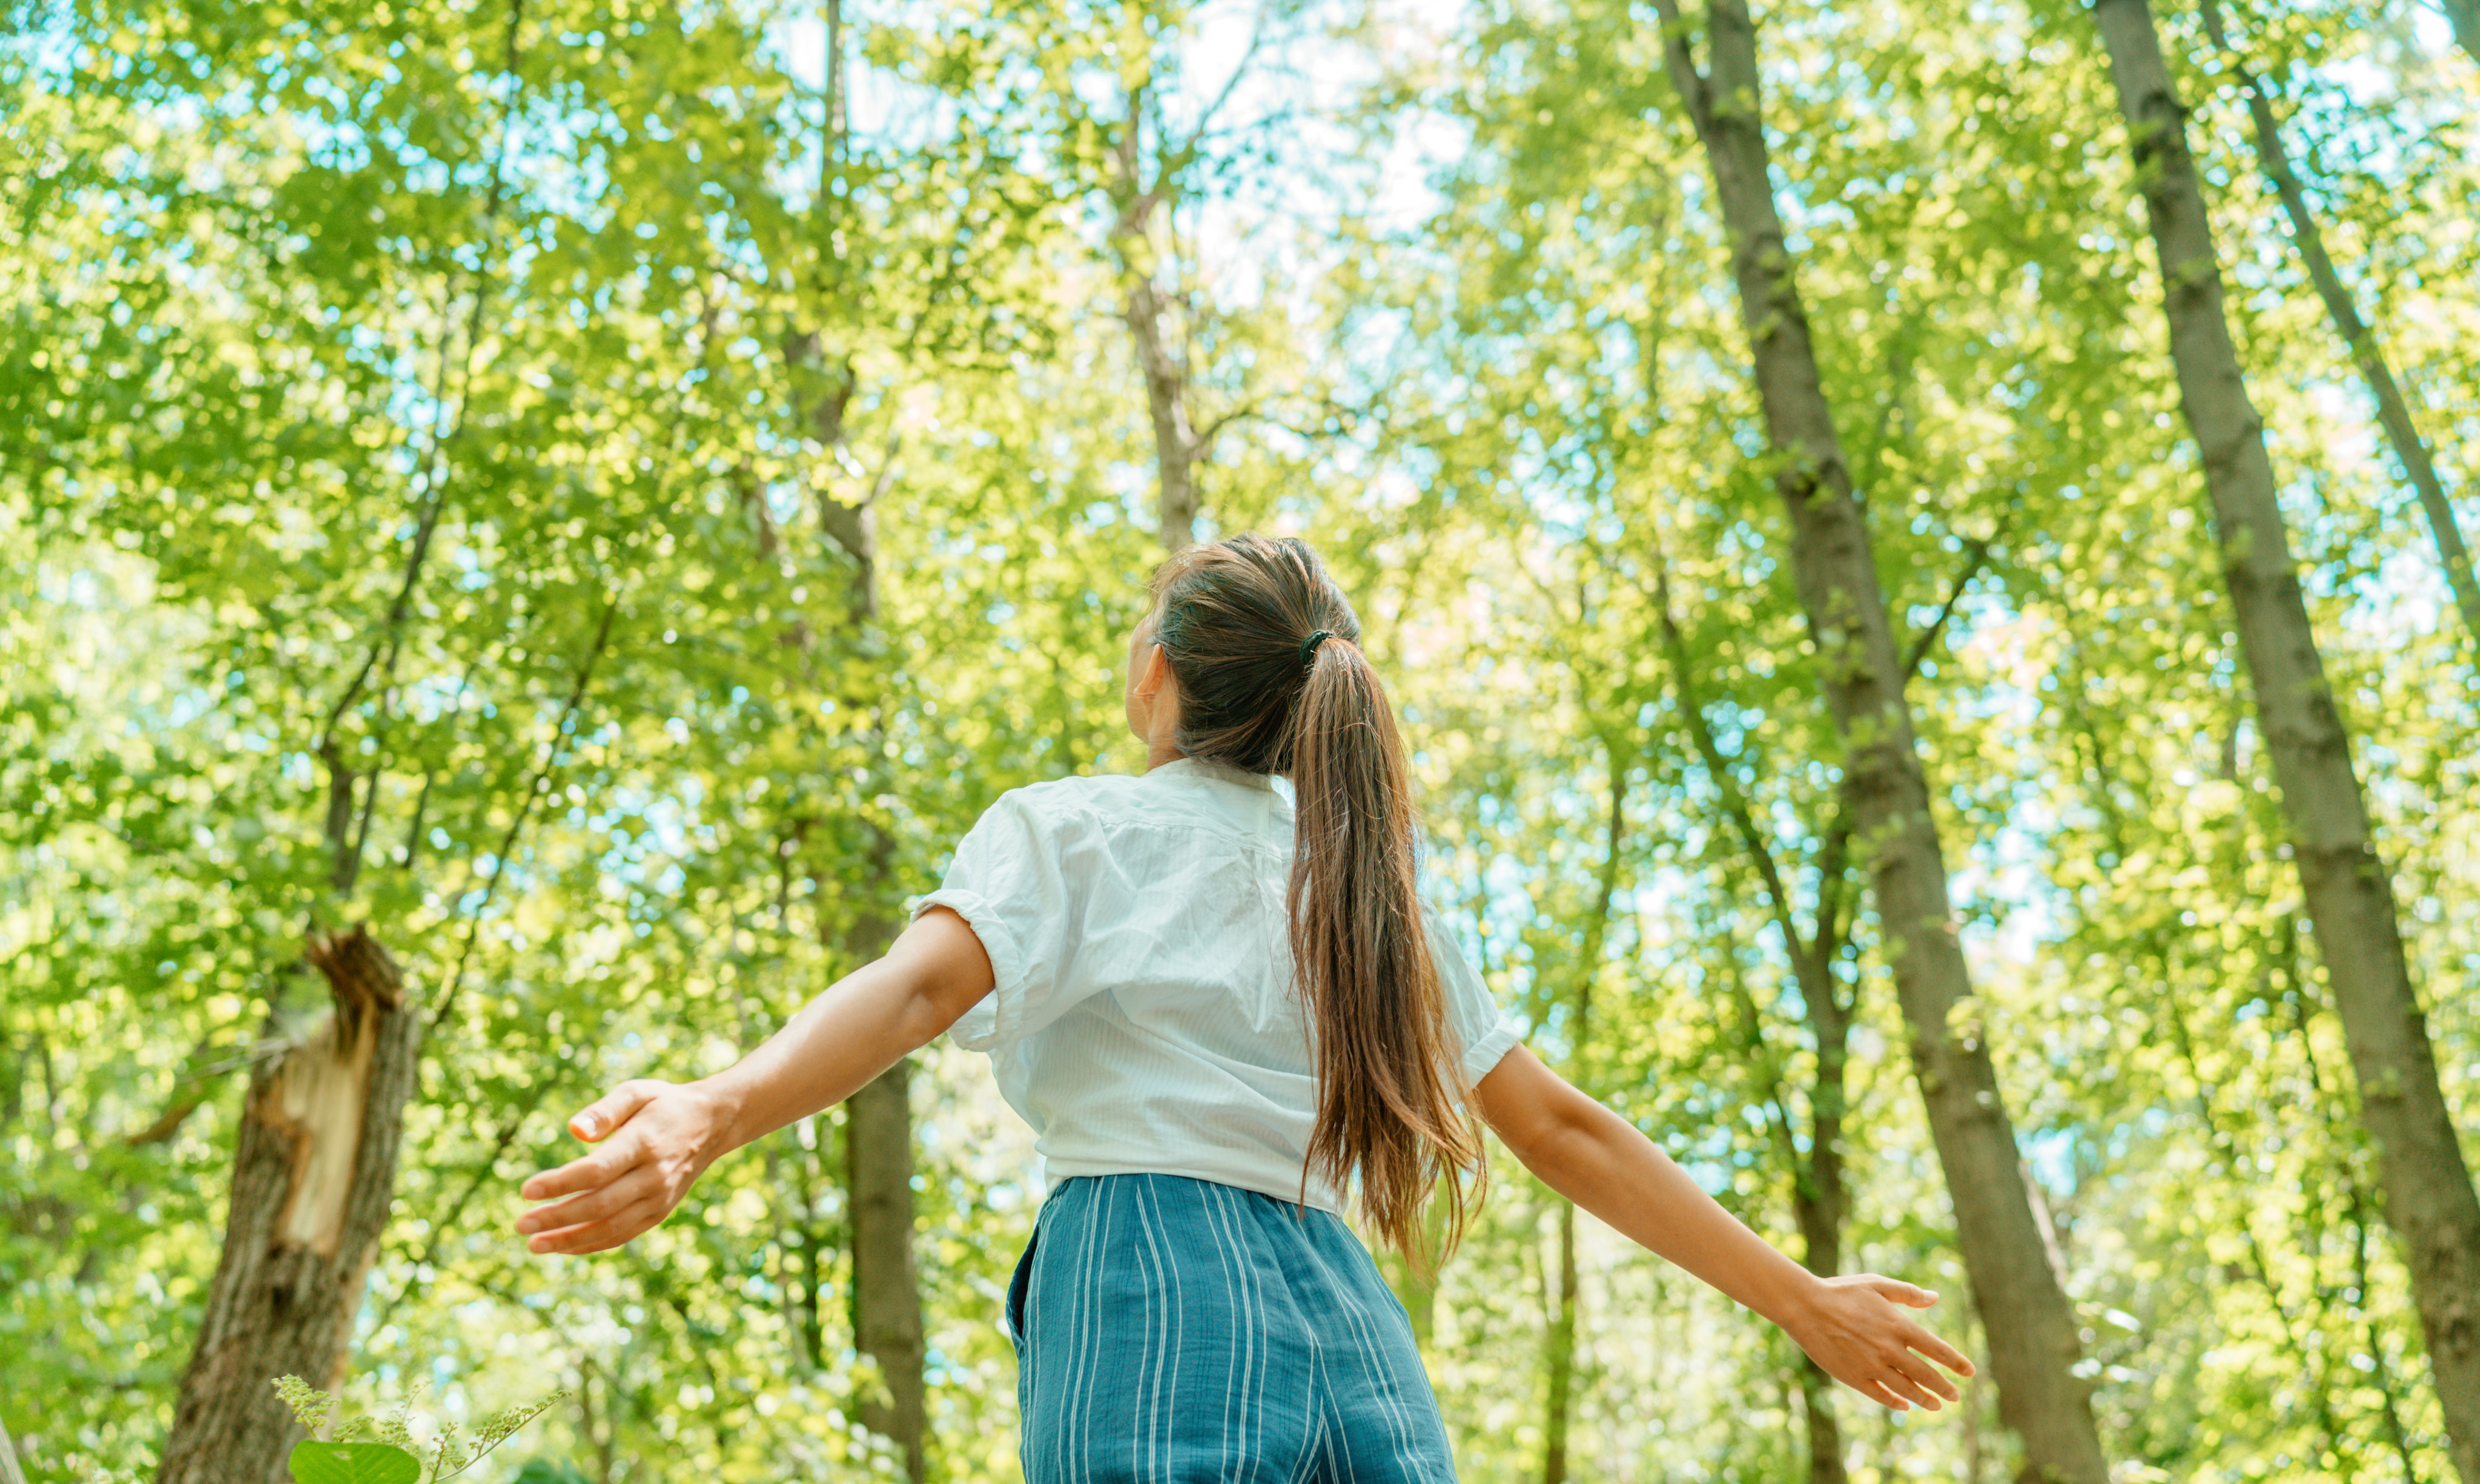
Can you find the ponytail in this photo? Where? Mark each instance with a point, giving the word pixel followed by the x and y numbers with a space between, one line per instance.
pixel 1266 652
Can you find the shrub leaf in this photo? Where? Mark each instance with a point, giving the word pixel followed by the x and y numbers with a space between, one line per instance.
pixel 354 1463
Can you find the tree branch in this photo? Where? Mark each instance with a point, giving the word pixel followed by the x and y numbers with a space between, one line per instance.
pixel 536 786
pixel 1833 860
pixel 1735 803
pixel 1681 62
pixel 1181 158
pixel 1978 553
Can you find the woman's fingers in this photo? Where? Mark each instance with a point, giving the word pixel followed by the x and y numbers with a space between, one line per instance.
pixel 1881 1353
pixel 620 1189
pixel 1938 1351
pixel 630 1187
pixel 1910 1390
pixel 616 1108
pixel 1911 1296
pixel 602 1236
pixel 1876 1391
pixel 1932 1388
pixel 591 1172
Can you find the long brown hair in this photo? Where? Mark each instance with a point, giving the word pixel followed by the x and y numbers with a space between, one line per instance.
pixel 1266 651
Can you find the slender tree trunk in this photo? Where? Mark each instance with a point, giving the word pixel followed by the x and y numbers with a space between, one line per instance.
pixel 2393 412
pixel 2427 1189
pixel 2397 1437
pixel 879 1214
pixel 312 1181
pixel 885 1296
pixel 1558 1404
pixel 2356 1212
pixel 885 1291
pixel 2032 1327
pixel 878 1120
pixel 1175 442
pixel 1177 449
pixel 1818 1198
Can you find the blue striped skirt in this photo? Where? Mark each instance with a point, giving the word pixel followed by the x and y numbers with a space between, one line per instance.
pixel 1171 1330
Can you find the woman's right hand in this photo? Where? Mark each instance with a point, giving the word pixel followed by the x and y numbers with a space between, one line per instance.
pixel 656 1138
pixel 1857 1328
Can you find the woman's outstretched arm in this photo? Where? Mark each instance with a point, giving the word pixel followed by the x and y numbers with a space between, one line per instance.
pixel 1851 1326
pixel 657 1136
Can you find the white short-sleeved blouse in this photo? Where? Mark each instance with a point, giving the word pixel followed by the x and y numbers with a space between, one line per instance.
pixel 1143 1019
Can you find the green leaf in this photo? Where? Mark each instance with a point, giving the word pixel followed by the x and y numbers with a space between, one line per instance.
pixel 354 1463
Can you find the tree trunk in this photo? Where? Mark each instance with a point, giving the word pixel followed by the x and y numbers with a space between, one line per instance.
pixel 1558 1404
pixel 1176 446
pixel 878 1120
pixel 312 1184
pixel 2394 414
pixel 1818 1198
pixel 2032 1328
pixel 1561 1402
pixel 2426 1187
pixel 886 1294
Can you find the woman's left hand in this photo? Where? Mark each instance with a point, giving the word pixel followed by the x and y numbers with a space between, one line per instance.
pixel 656 1138
pixel 1857 1329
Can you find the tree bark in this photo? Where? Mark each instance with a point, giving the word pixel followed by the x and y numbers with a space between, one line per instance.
pixel 313 1179
pixel 886 1291
pixel 1178 448
pixel 886 1294
pixel 2427 1192
pixel 1175 442
pixel 2032 1327
pixel 1818 1200
pixel 2393 412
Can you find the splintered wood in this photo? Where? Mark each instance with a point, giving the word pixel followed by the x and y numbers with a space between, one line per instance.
pixel 318 1093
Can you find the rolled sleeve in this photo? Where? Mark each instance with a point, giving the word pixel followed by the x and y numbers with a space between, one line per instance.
pixel 1013 882
pixel 1482 1056
pixel 991 1022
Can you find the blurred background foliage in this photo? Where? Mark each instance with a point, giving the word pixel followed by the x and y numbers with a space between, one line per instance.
pixel 430 394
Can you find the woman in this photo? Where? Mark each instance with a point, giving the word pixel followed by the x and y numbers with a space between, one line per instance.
pixel 1225 1015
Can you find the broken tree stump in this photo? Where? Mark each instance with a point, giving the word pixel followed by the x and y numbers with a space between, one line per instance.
pixel 313 1173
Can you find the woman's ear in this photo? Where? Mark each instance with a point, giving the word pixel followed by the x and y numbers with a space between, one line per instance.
pixel 1155 672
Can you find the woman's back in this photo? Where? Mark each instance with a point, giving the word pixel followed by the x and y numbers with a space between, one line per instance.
pixel 1145 1018
pixel 1210 999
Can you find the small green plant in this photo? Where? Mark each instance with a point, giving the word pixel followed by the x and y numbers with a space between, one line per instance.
pixel 390 1455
